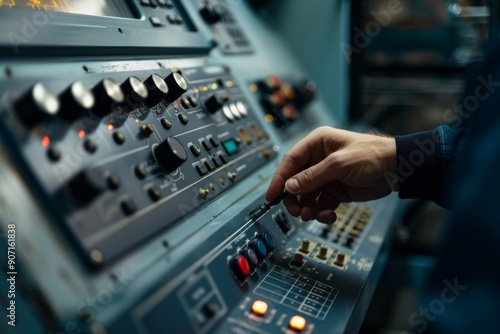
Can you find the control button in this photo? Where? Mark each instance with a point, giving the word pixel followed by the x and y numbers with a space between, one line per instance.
pixel 259 247
pixel 178 19
pixel 136 89
pixel 214 141
pixel 323 252
pixel 267 153
pixel 155 21
pixel 87 185
pixel 176 84
pixel 289 112
pixel 287 92
pixel 240 267
pixel 147 130
pixel 53 153
pixel 201 169
pixel 183 119
pixel 268 240
pixel 76 100
pixel 154 193
pixel 171 19
pixel 227 112
pixel 223 157
pixel 215 102
pixel 212 186
pixel 195 150
pixel 204 193
pixel 113 182
pixel 231 146
pixel 157 89
pixel 186 103
pixel 340 259
pixel 108 95
pixel 349 242
pixel 283 222
pixel 298 259
pixel 154 3
pixel 242 109
pixel 305 91
pixel 36 105
pixel 206 145
pixel 145 2
pixel 140 171
pixel 297 323
pixel 90 146
pixel 231 176
pixel 167 125
pixel 128 207
pixel 118 137
pixel 221 181
pixel 193 100
pixel 216 161
pixel 209 164
pixel 211 13
pixel 210 309
pixel 259 307
pixel 234 110
pixel 170 154
pixel 304 246
pixel 251 257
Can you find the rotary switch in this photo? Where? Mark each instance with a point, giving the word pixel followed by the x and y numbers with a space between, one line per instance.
pixel 36 105
pixel 157 89
pixel 76 100
pixel 176 84
pixel 108 94
pixel 215 102
pixel 170 154
pixel 136 89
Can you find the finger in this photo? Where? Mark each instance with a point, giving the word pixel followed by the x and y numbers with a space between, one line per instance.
pixel 292 205
pixel 308 203
pixel 336 192
pixel 316 176
pixel 292 163
pixel 327 217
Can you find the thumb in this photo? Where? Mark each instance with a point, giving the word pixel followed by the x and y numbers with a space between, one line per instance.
pixel 314 177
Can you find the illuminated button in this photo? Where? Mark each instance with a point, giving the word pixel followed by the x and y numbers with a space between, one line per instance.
pixel 167 125
pixel 297 323
pixel 227 112
pixel 231 146
pixel 195 150
pixel 183 119
pixel 259 247
pixel 240 267
pixel 259 307
pixel 242 109
pixel 245 136
pixel 234 110
pixel 251 257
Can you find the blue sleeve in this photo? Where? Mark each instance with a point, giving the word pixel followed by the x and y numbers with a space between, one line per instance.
pixel 426 162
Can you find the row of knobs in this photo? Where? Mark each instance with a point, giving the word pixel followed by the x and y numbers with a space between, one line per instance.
pixel 39 103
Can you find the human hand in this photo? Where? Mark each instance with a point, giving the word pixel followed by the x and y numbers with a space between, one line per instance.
pixel 330 166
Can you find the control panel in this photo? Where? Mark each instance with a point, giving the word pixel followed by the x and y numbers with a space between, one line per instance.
pixel 137 139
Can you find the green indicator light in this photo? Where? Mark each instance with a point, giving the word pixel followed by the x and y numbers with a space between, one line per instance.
pixel 231 146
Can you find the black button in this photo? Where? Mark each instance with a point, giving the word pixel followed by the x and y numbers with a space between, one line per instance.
pixel 186 103
pixel 140 171
pixel 214 141
pixel 162 3
pixel 166 123
pixel 223 157
pixel 183 119
pixel 193 100
pixel 119 137
pixel 195 150
pixel 206 145
pixel 178 19
pixel 168 4
pixel 201 169
pixel 147 130
pixel 128 207
pixel 216 161
pixel 155 21
pixel 154 3
pixel 145 2
pixel 171 18
pixel 210 309
pixel 113 182
pixel 154 193
pixel 90 145
pixel 54 154
pixel 209 164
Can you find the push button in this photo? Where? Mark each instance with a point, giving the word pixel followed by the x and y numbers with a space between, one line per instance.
pixel 297 323
pixel 259 307
pixel 201 169
pixel 206 145
pixel 209 164
pixel 195 150
pixel 240 267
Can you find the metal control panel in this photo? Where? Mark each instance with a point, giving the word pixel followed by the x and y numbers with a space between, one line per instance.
pixel 135 139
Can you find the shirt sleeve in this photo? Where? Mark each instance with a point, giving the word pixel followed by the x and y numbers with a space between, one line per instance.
pixel 426 162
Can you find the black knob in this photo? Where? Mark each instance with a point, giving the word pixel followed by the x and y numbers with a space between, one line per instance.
pixel 305 91
pixel 36 105
pixel 170 154
pixel 76 100
pixel 177 85
pixel 87 185
pixel 108 94
pixel 157 89
pixel 135 91
pixel 211 13
pixel 215 102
